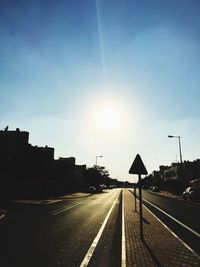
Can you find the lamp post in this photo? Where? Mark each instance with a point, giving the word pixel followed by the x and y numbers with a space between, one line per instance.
pixel 181 161
pixel 96 159
pixel 179 142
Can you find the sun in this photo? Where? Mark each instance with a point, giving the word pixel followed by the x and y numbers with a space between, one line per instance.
pixel 108 119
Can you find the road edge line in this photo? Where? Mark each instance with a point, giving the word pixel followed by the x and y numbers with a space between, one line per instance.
pixel 91 249
pixel 123 259
pixel 171 217
pixel 188 247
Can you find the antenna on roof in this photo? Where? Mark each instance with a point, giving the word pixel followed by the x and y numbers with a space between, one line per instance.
pixel 6 129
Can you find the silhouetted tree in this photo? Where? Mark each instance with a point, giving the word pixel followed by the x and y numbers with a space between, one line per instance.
pixel 95 176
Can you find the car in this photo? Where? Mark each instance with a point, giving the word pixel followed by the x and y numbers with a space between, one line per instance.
pixel 155 189
pixel 92 189
pixel 192 193
pixel 150 187
pixel 100 188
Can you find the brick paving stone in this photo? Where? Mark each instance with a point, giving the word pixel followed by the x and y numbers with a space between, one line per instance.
pixel 159 248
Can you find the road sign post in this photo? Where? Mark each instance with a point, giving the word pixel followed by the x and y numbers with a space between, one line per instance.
pixel 138 168
pixel 135 198
pixel 140 205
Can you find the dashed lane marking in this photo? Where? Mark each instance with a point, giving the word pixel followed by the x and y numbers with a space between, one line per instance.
pixel 1 217
pixel 55 212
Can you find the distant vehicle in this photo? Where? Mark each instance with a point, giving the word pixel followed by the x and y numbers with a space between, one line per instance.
pixel 103 186
pixel 192 193
pixel 100 188
pixel 111 186
pixel 195 183
pixel 150 187
pixel 92 189
pixel 155 189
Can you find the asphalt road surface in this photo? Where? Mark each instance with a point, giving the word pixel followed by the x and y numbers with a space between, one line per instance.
pixel 183 219
pixel 61 234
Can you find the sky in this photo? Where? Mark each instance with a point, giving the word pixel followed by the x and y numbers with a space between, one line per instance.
pixel 107 78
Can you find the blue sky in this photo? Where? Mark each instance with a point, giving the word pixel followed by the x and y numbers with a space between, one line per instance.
pixel 62 63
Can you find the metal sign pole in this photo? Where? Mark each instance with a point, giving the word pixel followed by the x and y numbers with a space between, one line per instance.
pixel 140 202
pixel 135 199
pixel 138 167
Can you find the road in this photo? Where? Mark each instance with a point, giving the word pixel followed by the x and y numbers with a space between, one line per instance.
pixel 184 218
pixel 61 234
pixel 83 230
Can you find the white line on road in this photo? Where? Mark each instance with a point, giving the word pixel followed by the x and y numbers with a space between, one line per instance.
pixel 1 217
pixel 123 260
pixel 188 247
pixel 91 250
pixel 3 213
pixel 182 224
pixel 55 212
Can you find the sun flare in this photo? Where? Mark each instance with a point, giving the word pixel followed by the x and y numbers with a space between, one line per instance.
pixel 108 119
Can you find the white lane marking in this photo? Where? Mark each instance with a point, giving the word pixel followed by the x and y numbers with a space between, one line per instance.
pixel 1 217
pixel 188 228
pixel 91 250
pixel 173 233
pixel 123 260
pixel 3 214
pixel 55 212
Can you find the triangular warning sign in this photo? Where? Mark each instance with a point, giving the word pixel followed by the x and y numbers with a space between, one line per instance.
pixel 138 166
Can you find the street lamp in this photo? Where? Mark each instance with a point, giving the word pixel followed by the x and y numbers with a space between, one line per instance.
pixel 96 159
pixel 179 142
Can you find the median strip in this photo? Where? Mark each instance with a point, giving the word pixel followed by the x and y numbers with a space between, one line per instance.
pixel 91 250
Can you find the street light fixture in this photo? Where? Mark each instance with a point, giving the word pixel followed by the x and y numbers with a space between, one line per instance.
pixel 96 159
pixel 179 142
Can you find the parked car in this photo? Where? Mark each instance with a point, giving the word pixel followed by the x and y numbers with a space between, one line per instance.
pixel 100 188
pixel 92 189
pixel 192 193
pixel 150 187
pixel 155 189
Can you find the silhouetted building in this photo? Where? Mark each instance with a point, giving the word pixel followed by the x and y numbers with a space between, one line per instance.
pixel 172 172
pixel 63 168
pixel 11 142
pixel 181 174
pixel 44 154
pixel 19 159
pixel 27 170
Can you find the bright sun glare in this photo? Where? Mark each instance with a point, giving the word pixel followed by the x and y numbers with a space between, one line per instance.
pixel 108 119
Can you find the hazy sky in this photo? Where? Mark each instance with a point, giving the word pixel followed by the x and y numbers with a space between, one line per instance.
pixel 103 77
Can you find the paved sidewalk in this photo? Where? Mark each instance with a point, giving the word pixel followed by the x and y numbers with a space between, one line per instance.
pixel 159 248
